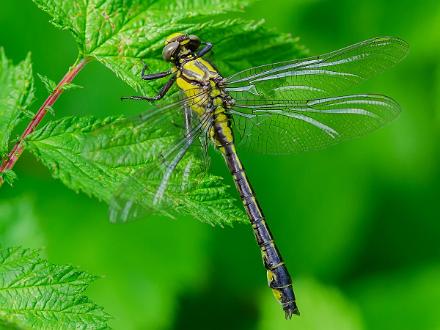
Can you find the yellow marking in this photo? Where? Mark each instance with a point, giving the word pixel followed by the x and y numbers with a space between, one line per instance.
pixel 270 276
pixel 198 103
pixel 215 92
pixel 191 66
pixel 284 286
pixel 173 36
pixel 277 294
pixel 219 110
pixel 227 131
pixel 185 85
pixel 277 265
pixel 207 64
pixel 220 117
pixel 218 102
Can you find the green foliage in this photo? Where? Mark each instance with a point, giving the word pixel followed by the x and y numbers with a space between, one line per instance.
pixel 9 176
pixel 97 156
pixel 99 27
pixel 49 84
pixel 120 34
pixel 70 86
pixel 35 294
pixel 16 94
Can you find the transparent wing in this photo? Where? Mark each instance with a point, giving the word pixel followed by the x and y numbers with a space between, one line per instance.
pixel 320 76
pixel 152 151
pixel 157 186
pixel 283 127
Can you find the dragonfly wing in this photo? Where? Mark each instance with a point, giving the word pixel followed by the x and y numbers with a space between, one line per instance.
pixel 284 127
pixel 159 153
pixel 319 76
pixel 157 186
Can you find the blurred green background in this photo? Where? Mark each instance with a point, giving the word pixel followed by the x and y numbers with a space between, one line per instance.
pixel 358 224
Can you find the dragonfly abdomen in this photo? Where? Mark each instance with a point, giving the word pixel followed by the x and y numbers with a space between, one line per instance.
pixel 278 277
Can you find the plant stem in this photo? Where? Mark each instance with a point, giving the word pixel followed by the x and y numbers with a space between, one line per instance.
pixel 17 150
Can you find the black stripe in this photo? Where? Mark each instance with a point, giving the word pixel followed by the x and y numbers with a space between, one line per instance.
pixel 272 259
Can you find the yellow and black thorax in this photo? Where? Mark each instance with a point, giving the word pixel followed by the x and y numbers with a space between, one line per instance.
pixel 203 87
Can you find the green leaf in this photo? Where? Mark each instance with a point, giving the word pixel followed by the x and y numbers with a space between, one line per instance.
pixel 49 84
pixel 117 152
pixel 70 86
pixel 50 110
pixel 321 307
pixel 9 176
pixel 35 294
pixel 16 94
pixel 120 34
pixel 101 27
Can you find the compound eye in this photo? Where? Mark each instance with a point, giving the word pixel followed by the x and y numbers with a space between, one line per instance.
pixel 194 42
pixel 170 50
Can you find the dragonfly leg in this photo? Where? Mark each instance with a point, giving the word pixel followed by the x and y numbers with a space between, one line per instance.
pixel 205 50
pixel 160 95
pixel 153 76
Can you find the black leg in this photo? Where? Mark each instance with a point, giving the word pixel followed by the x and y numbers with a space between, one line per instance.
pixel 161 94
pixel 205 50
pixel 153 76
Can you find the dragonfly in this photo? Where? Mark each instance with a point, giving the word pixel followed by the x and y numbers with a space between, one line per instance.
pixel 278 108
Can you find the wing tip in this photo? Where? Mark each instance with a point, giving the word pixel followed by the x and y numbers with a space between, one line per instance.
pixel 397 43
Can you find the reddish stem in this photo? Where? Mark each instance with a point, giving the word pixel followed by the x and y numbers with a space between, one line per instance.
pixel 17 150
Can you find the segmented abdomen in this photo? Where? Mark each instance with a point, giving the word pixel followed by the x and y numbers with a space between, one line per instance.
pixel 213 106
pixel 277 274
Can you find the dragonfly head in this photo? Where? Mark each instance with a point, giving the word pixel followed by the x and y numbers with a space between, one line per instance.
pixel 180 45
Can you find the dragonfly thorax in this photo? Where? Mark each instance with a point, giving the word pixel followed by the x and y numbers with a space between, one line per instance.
pixel 205 91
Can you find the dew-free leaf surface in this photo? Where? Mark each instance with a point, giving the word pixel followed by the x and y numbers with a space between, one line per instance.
pixel 35 294
pixel 96 156
pixel 16 94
